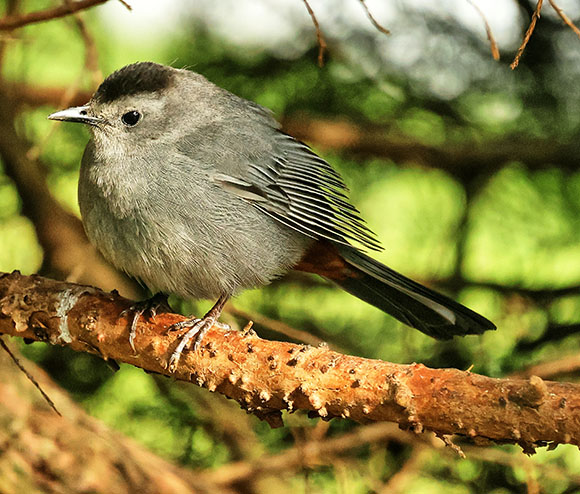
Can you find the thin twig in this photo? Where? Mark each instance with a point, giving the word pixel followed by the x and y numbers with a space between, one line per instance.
pixel 13 22
pixel 126 5
pixel 528 35
pixel 91 51
pixel 319 37
pixel 28 375
pixel 374 22
pixel 12 7
pixel 501 457
pixel 490 37
pixel 451 445
pixel 565 18
pixel 309 453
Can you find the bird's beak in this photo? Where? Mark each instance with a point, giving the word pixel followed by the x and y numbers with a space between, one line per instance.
pixel 77 114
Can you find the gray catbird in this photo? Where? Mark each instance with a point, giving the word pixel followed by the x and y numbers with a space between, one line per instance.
pixel 195 191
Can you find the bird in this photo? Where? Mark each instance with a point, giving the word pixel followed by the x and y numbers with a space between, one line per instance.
pixel 197 192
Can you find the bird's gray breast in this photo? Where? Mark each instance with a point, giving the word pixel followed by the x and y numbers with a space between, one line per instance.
pixel 167 223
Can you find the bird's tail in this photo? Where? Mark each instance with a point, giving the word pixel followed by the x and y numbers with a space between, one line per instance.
pixel 411 303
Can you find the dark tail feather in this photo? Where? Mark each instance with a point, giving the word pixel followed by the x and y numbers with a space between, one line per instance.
pixel 411 303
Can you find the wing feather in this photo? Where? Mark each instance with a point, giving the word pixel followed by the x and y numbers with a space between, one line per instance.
pixel 302 191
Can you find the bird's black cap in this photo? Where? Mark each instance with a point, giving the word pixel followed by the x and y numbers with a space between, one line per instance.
pixel 140 77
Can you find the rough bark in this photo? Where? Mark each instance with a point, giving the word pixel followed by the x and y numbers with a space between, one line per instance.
pixel 266 377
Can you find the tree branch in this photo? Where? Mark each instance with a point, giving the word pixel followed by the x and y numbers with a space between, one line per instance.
pixel 319 36
pixel 488 31
pixel 311 453
pixel 464 161
pixel 565 18
pixel 528 35
pixel 10 22
pixel 266 377
pixel 564 366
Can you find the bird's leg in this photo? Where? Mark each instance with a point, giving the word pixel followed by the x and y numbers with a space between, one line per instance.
pixel 196 330
pixel 150 307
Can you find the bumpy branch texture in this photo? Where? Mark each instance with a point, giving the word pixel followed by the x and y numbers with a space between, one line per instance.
pixel 266 377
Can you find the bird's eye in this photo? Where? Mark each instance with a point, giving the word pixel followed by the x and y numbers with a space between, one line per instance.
pixel 131 118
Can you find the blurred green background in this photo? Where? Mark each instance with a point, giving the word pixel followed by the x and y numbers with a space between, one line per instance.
pixel 466 170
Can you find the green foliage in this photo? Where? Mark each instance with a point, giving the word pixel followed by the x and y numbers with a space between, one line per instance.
pixel 524 229
pixel 19 248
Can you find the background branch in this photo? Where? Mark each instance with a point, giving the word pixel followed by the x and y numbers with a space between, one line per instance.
pixel 44 452
pixel 15 21
pixel 464 161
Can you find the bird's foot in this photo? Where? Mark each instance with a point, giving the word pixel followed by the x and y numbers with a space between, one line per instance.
pixel 196 330
pixel 149 308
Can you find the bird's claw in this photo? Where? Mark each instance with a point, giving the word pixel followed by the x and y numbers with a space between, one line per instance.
pixel 196 330
pixel 150 308
pixel 186 324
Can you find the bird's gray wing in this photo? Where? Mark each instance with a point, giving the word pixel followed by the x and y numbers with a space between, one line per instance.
pixel 299 189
